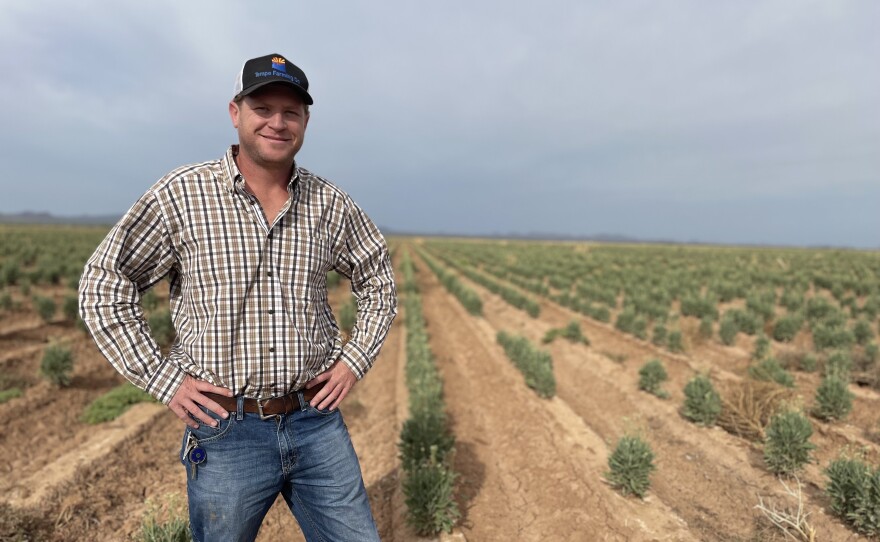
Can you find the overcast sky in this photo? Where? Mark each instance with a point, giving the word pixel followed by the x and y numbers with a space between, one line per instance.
pixel 728 122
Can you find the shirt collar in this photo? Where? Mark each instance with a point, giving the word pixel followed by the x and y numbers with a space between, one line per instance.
pixel 232 176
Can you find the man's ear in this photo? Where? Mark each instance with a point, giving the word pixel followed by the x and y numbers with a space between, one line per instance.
pixel 234 111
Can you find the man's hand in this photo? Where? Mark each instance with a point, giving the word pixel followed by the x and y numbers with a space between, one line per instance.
pixel 186 401
pixel 338 382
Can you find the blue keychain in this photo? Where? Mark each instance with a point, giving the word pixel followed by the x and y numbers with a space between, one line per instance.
pixel 197 455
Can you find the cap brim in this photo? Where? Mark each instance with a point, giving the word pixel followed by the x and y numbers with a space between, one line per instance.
pixel 299 89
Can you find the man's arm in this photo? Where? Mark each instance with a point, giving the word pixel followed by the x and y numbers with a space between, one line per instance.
pixel 135 255
pixel 365 259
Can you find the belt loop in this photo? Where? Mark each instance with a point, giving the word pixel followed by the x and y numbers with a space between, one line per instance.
pixel 239 407
pixel 302 400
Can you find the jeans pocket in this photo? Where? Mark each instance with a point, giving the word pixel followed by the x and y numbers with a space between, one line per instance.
pixel 321 411
pixel 205 433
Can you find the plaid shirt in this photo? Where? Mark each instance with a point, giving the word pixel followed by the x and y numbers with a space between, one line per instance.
pixel 248 298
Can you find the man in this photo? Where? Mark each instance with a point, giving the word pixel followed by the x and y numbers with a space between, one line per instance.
pixel 258 368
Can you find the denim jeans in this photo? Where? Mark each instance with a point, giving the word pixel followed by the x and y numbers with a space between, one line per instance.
pixel 306 456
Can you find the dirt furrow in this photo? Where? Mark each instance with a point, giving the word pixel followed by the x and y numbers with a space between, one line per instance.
pixel 707 476
pixel 529 472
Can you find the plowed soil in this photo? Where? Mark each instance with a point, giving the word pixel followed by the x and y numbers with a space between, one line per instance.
pixel 530 468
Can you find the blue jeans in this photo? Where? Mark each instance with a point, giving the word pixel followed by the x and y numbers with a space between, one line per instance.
pixel 306 455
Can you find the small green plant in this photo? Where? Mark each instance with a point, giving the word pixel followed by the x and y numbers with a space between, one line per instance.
pixel 769 370
pixel 112 404
pixel 651 376
pixel 787 327
pixel 659 335
pixel 535 365
pixel 170 524
pixel 762 347
pixel 787 445
pixel 863 332
pixel 428 492
pixel 10 393
pixel 728 330
pixel 162 327
pixel 706 327
pixel 572 332
pixel 833 398
pixel 840 364
pixel 702 404
pixel 45 307
pixel 675 342
pixel 5 301
pixel 348 315
pixel 57 364
pixel 809 363
pixel 630 466
pixel 70 307
pixel 854 490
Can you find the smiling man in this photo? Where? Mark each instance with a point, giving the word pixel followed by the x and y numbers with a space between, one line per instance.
pixel 258 367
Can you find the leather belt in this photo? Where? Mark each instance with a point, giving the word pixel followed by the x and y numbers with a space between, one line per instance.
pixel 266 408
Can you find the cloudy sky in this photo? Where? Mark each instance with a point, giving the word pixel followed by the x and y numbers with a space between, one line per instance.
pixel 727 122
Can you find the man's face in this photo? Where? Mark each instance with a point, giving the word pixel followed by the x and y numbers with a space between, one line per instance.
pixel 271 125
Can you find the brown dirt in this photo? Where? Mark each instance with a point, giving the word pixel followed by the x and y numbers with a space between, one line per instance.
pixel 530 469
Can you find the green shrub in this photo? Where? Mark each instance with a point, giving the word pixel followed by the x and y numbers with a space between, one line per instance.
pixel 832 335
pixel 5 301
pixel 728 330
pixel 702 404
pixel 70 307
pixel 833 398
pixel 348 315
pixel 424 436
pixel 45 307
pixel 10 393
pixel 626 320
pixel 809 363
pixel 428 493
pixel 769 370
pixel 171 525
pixel 150 301
pixel 659 335
pixel 862 332
pixel 535 365
pixel 162 327
pixel 840 364
pixel 787 327
pixel 787 445
pixel 572 332
pixel 651 376
pixel 675 342
pixel 9 273
pixel 57 364
pixel 706 325
pixel 631 464
pixel 112 404
pixel 762 347
pixel 854 490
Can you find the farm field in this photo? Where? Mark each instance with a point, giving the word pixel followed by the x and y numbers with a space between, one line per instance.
pixel 529 467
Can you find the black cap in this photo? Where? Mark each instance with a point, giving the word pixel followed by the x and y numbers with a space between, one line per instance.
pixel 259 72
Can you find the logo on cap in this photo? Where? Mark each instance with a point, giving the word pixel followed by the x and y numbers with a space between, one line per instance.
pixel 278 64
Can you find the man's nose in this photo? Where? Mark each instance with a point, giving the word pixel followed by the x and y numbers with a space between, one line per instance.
pixel 276 121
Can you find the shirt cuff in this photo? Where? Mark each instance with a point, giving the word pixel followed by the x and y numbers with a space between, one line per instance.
pixel 166 381
pixel 356 359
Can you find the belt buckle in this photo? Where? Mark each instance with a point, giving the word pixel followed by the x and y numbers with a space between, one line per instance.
pixel 260 410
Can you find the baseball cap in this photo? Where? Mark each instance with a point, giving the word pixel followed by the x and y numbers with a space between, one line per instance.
pixel 259 72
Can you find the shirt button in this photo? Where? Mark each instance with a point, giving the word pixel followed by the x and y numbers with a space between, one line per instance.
pixel 271 311
pixel 269 274
pixel 271 349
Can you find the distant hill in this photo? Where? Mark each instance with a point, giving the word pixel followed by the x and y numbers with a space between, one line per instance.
pixel 29 217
